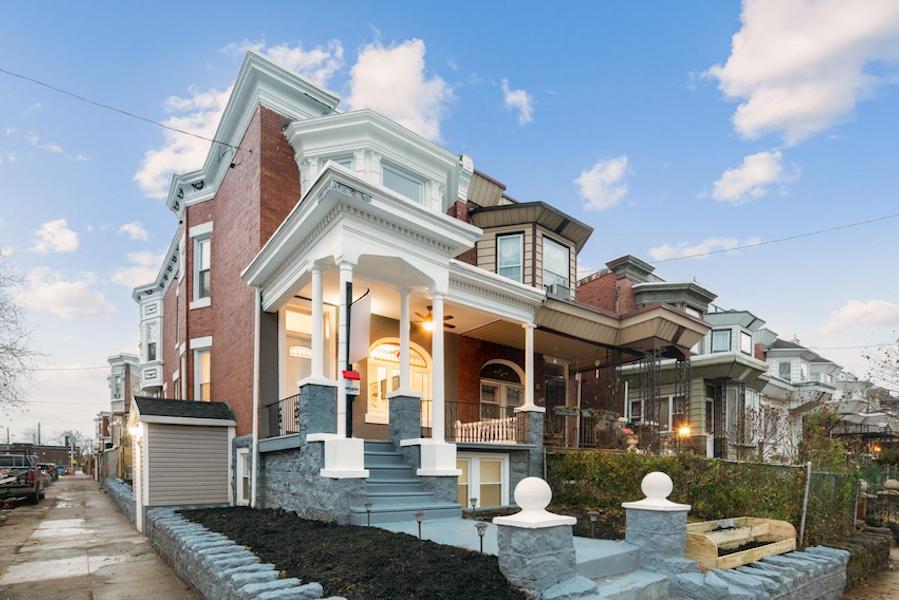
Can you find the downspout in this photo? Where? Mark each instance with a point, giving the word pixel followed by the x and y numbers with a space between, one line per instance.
pixel 256 321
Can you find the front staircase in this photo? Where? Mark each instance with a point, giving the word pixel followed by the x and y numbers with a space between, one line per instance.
pixel 395 491
pixel 614 569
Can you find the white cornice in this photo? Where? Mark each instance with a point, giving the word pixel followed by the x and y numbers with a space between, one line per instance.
pixel 166 274
pixel 259 83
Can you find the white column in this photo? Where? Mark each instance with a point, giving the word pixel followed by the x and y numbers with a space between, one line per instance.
pixel 405 381
pixel 528 366
pixel 346 276
pixel 318 334
pixel 437 413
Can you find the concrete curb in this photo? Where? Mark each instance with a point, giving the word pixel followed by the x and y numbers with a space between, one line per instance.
pixel 218 568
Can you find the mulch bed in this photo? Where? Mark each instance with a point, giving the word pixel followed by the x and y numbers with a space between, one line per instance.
pixel 360 563
pixel 609 524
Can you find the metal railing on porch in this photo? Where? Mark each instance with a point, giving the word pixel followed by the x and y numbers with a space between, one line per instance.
pixel 279 417
pixel 475 423
pixel 567 429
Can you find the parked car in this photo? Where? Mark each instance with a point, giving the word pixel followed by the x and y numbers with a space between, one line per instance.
pixel 20 477
pixel 60 469
pixel 49 469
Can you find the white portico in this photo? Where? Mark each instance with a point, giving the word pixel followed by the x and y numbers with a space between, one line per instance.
pixel 349 230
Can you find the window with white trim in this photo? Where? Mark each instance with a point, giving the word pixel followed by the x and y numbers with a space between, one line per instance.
pixel 721 340
pixel 152 335
pixel 202 267
pixel 402 182
pixel 243 476
pixel 484 480
pixel 203 374
pixel 555 263
pixel 510 255
pixel 784 370
pixel 745 343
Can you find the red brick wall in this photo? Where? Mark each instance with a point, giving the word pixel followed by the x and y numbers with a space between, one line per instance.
pixel 279 175
pixel 601 293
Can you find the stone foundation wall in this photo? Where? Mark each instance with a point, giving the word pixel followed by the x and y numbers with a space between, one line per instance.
pixel 122 494
pixel 216 567
pixel 290 479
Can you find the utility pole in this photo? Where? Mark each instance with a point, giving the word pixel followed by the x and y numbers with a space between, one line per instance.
pixel 38 433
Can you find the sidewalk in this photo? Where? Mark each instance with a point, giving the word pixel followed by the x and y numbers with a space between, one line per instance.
pixel 76 545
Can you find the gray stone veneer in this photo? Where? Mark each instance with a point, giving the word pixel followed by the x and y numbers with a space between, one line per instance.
pixel 317 409
pixel 216 567
pixel 536 559
pixel 535 439
pixel 405 418
pixel 122 494
pixel 661 536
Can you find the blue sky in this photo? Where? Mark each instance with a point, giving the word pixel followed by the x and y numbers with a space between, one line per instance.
pixel 673 156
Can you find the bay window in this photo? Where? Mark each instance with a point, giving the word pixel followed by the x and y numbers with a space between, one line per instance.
pixel 402 182
pixel 745 343
pixel 510 255
pixel 555 263
pixel 721 340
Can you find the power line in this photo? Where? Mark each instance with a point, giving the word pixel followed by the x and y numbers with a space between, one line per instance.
pixel 778 240
pixel 68 368
pixel 879 345
pixel 118 110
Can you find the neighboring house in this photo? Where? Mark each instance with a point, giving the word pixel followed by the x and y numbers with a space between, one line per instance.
pixel 465 299
pixel 114 444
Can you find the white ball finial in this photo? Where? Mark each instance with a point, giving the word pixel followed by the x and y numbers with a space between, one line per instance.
pixel 533 493
pixel 657 486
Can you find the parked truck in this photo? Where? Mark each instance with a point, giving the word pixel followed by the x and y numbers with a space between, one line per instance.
pixel 20 477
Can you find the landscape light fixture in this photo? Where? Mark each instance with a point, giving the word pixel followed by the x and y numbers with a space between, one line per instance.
pixel 482 529
pixel 474 503
pixel 419 517
pixel 593 518
pixel 367 506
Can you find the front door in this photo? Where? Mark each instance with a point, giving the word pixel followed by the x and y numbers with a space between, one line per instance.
pixel 384 378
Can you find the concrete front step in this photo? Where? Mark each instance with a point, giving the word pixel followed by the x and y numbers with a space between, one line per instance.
pixel 604 558
pixel 636 585
pixel 382 472
pixel 396 513
pixel 378 445
pixel 397 485
pixel 399 498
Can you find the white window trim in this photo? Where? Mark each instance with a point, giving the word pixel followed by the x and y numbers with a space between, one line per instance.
pixel 243 453
pixel 730 340
pixel 424 191
pixel 203 229
pixel 568 253
pixel 520 236
pixel 197 370
pixel 197 302
pixel 201 343
pixel 474 475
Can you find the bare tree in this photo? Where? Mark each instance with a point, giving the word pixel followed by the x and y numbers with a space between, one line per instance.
pixel 883 366
pixel 16 355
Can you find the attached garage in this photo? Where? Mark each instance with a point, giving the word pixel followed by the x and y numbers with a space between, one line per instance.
pixel 182 453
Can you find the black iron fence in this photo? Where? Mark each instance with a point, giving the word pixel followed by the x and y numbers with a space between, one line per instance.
pixel 280 417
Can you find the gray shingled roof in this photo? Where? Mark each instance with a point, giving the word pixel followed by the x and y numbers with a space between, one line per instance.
pixel 160 407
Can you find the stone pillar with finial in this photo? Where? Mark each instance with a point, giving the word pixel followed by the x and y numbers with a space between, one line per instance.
pixel 657 525
pixel 536 547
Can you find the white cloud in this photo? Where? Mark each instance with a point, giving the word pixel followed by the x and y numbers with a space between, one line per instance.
pixel 55 236
pixel 518 100
pixel 685 250
pixel 46 290
pixel 143 268
pixel 5 251
pixel 799 66
pixel 857 314
pixel 603 185
pixel 584 271
pixel 393 81
pixel 135 230
pixel 32 108
pixel 35 141
pixel 198 113
pixel 7 156
pixel 318 64
pixel 753 177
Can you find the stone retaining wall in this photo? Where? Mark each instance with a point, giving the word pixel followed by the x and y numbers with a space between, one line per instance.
pixel 122 494
pixel 216 567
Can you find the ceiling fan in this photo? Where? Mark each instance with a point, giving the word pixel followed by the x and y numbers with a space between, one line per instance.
pixel 427 320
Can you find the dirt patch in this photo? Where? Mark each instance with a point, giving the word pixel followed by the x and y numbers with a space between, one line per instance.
pixel 741 547
pixel 360 563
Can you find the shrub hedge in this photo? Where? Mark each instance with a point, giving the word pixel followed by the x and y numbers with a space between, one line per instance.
pixel 596 480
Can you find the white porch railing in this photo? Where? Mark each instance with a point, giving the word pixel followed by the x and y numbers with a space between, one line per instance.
pixel 505 429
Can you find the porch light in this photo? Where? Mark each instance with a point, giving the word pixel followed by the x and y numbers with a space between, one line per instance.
pixel 593 518
pixel 136 431
pixel 482 529
pixel 876 449
pixel 684 431
pixel 427 325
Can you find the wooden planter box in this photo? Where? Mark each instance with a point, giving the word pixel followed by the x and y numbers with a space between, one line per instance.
pixel 704 540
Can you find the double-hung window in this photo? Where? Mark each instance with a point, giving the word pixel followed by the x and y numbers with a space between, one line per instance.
pixel 784 370
pixel 402 182
pixel 555 263
pixel 152 335
pixel 203 374
pixel 721 340
pixel 510 255
pixel 202 267
pixel 745 343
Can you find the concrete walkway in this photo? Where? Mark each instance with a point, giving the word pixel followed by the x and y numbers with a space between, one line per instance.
pixel 883 586
pixel 76 545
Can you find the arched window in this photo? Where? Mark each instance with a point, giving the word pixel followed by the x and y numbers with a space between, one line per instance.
pixel 501 388
pixel 384 376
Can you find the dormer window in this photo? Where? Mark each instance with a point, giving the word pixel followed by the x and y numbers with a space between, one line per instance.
pixel 509 255
pixel 555 263
pixel 721 340
pixel 402 182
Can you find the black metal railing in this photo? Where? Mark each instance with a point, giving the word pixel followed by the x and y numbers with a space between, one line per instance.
pixel 568 429
pixel 280 417
pixel 476 423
